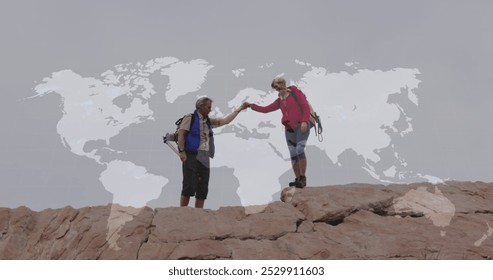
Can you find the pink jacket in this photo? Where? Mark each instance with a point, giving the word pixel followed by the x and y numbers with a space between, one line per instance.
pixel 292 115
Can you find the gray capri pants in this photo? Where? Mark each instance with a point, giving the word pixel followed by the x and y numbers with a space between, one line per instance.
pixel 296 141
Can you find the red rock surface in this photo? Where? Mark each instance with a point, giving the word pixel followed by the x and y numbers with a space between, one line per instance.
pixel 418 221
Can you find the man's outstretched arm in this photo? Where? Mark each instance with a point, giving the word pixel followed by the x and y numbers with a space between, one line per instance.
pixel 229 118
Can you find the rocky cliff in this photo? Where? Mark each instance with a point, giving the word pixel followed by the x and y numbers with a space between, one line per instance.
pixel 418 221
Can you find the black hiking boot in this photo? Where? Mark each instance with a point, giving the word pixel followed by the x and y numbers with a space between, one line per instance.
pixel 294 183
pixel 301 182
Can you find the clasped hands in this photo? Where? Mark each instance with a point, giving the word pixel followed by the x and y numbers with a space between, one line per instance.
pixel 245 105
pixel 303 127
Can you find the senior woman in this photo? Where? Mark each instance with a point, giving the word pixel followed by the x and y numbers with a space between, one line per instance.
pixel 295 118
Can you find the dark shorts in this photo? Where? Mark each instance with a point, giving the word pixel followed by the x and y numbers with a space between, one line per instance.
pixel 296 141
pixel 196 175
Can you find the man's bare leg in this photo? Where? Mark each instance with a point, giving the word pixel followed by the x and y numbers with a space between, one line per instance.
pixel 199 203
pixel 184 200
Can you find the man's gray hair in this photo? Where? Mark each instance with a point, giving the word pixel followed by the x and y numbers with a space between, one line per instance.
pixel 202 101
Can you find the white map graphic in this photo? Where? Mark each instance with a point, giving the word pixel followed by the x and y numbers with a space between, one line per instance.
pixel 356 108
pixel 90 114
pixel 434 206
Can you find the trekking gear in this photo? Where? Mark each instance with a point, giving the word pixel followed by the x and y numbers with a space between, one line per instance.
pixel 192 139
pixel 302 181
pixel 299 182
pixel 173 137
pixel 294 183
pixel 314 117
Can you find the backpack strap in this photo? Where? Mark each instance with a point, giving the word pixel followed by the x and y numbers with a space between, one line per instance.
pixel 180 120
pixel 295 96
pixel 317 124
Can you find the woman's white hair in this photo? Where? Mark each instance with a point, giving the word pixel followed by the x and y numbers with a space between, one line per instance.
pixel 278 80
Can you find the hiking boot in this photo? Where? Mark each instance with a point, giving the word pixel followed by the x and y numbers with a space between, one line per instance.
pixel 294 183
pixel 301 182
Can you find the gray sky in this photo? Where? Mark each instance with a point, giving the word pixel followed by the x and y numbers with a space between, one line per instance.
pixel 450 43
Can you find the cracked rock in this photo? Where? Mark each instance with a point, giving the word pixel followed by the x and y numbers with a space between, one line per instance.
pixel 359 221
